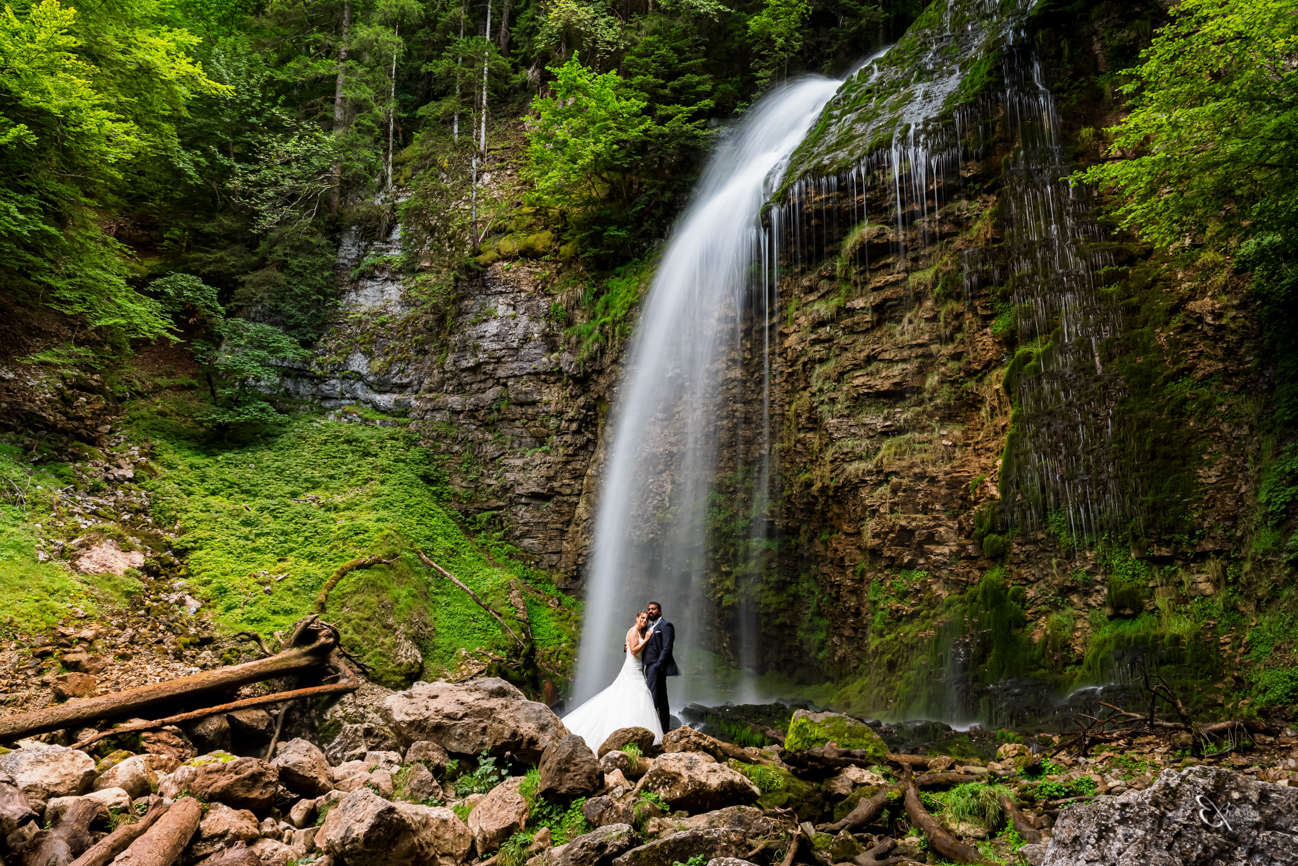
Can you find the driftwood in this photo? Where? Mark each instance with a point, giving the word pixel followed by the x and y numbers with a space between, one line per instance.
pixel 162 843
pixel 130 702
pixel 794 837
pixel 348 683
pixel 865 812
pixel 60 845
pixel 941 841
pixel 1020 821
pixel 878 856
pixel 473 595
pixel 107 848
pixel 345 569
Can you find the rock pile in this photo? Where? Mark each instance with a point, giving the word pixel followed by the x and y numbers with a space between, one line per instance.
pixel 475 773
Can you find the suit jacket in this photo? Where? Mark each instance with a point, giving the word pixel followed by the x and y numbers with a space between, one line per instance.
pixel 658 651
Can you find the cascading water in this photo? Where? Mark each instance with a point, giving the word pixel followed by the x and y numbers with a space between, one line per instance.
pixel 649 542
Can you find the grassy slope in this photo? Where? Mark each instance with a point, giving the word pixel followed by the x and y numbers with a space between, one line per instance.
pixel 360 490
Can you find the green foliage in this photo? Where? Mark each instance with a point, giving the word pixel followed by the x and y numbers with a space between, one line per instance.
pixel 973 803
pixel 514 851
pixel 1213 115
pixel 633 751
pixel 696 860
pixel 768 780
pixel 777 32
pixel 187 297
pixel 483 778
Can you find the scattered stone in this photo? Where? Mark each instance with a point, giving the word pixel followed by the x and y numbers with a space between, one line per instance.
pixel 82 662
pixel 221 828
pixel 366 830
pixel 15 811
pixel 106 799
pixel 749 820
pixel 67 686
pixel 303 768
pixel 681 847
pixel 251 727
pixel 568 768
pixel 273 852
pixel 418 784
pixel 807 730
pixel 615 761
pixel 170 742
pixel 137 775
pixel 729 861
pixel 643 738
pixel 1010 751
pixel 847 781
pixel 483 715
pixel 383 760
pixel 42 771
pixel 429 754
pixel 501 814
pixel 209 734
pixel 111 760
pixel 844 847
pixel 1170 823
pixel 244 783
pixel 598 848
pixel 354 775
pixel 616 783
pixel 697 783
pixel 354 741
pixel 604 810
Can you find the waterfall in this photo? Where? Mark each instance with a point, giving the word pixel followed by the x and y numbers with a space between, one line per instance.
pixel 649 541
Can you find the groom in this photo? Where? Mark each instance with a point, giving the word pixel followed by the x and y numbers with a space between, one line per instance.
pixel 658 661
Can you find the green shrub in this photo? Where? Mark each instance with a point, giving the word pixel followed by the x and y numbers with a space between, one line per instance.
pixel 995 545
pixel 481 780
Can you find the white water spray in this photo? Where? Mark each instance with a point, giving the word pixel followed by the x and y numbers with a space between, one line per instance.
pixel 649 529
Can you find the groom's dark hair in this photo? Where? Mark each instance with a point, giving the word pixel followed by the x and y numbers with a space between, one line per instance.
pixel 660 607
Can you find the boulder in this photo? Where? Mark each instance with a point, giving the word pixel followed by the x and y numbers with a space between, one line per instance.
pixel 244 783
pixel 642 738
pixel 239 855
pixel 483 715
pixel 416 783
pixel 221 828
pixel 273 852
pixel 304 811
pixel 302 841
pixel 82 662
pixel 429 754
pixel 209 734
pixel 366 830
pixel 730 861
pixel 14 809
pixel 1010 751
pixel 1196 817
pixel 697 783
pixel 604 810
pixel 66 686
pixel 251 727
pixel 42 771
pixel 500 814
pixel 685 739
pixel 808 730
pixel 107 801
pixel 303 768
pixel 383 760
pixel 847 781
pixel 598 848
pixel 354 741
pixel 681 847
pixel 169 742
pixel 568 768
pixel 137 775
pixel 616 783
pixel 619 761
pixel 354 775
pixel 749 820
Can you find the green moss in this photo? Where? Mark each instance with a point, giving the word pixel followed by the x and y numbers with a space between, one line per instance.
pixel 266 523
pixel 783 790
pixel 809 730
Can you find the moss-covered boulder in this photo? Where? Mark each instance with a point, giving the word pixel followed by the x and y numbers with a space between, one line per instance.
pixel 783 790
pixel 808 730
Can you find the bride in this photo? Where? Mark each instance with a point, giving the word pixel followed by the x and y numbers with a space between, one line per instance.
pixel 627 703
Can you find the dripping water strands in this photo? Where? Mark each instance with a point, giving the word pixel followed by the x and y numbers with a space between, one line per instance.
pixel 719 266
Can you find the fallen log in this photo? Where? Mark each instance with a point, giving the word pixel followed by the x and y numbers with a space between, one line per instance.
pixel 345 569
pixel 60 845
pixel 162 843
pixel 473 595
pixel 347 683
pixel 941 841
pixel 1020 821
pixel 865 812
pixel 103 851
pixel 130 702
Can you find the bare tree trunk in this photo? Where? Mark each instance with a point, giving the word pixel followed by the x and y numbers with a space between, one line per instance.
pixel 459 58
pixel 486 62
pixel 340 105
pixel 392 107
pixel 107 848
pixel 502 41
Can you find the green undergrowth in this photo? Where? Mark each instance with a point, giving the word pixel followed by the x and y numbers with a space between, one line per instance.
pixel 263 524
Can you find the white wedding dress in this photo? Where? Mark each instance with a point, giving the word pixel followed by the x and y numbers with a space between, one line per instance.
pixel 627 703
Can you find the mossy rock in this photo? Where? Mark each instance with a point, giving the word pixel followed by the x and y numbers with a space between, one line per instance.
pixel 808 730
pixel 112 759
pixel 537 244
pixel 783 790
pixel 861 792
pixel 508 247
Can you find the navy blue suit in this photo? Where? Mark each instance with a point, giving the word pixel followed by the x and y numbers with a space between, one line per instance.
pixel 659 664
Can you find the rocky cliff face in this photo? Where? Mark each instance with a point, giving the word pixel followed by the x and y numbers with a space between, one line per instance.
pixel 500 395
